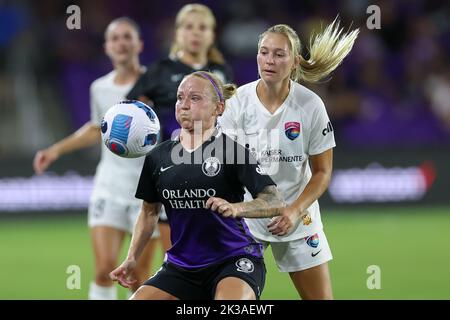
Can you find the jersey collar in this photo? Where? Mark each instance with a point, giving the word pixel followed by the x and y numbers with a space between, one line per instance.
pixel 216 134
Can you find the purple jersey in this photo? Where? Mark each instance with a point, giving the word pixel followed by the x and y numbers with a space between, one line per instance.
pixel 183 181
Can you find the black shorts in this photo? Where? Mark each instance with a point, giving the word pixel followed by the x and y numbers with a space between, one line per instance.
pixel 201 283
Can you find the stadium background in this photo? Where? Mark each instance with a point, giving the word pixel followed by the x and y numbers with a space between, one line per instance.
pixel 388 204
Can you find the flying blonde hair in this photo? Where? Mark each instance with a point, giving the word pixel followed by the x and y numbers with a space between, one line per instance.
pixel 214 55
pixel 327 50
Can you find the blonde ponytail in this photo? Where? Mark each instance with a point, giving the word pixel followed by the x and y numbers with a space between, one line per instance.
pixel 327 51
pixel 229 90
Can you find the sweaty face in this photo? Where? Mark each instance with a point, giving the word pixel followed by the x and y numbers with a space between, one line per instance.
pixel 122 42
pixel 195 35
pixel 195 104
pixel 275 59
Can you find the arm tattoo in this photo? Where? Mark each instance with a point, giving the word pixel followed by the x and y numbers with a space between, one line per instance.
pixel 151 209
pixel 268 203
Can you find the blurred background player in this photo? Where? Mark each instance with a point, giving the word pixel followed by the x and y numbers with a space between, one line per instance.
pixel 113 209
pixel 192 49
pixel 213 256
pixel 278 104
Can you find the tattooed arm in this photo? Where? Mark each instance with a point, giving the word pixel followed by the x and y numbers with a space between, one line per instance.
pixel 268 203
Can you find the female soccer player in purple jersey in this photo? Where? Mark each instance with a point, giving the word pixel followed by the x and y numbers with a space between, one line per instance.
pixel 200 178
pixel 192 50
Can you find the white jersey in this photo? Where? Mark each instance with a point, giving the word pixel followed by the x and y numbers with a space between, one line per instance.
pixel 116 177
pixel 282 143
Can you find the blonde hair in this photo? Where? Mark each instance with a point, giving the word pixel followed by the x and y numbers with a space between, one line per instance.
pixel 221 91
pixel 214 55
pixel 327 50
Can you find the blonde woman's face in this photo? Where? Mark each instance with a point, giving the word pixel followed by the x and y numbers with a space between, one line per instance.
pixel 195 104
pixel 275 59
pixel 122 42
pixel 195 34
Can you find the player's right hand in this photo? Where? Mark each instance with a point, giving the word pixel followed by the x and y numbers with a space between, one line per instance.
pixel 222 206
pixel 124 274
pixel 285 223
pixel 43 159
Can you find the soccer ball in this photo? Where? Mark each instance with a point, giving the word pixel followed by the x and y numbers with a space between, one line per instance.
pixel 130 129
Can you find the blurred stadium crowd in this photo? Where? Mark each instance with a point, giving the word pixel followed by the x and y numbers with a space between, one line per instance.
pixel 392 91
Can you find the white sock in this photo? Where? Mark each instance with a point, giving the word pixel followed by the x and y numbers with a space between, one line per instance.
pixel 97 292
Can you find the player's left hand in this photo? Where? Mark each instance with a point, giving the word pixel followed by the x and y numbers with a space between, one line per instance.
pixel 123 274
pixel 222 206
pixel 284 223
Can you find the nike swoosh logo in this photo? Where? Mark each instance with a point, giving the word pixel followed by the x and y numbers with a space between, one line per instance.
pixel 315 254
pixel 164 169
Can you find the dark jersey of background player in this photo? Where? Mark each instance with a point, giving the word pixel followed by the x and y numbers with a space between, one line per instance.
pixel 192 50
pixel 200 236
pixel 160 82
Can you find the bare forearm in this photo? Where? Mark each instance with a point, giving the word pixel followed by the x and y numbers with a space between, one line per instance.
pixel 269 203
pixel 314 189
pixel 143 230
pixel 86 136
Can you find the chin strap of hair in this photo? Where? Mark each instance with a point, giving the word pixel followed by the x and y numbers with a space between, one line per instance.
pixel 208 77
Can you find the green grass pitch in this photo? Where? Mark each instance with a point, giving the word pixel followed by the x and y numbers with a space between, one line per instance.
pixel 410 245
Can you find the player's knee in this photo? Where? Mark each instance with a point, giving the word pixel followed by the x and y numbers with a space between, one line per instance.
pixel 234 289
pixel 234 295
pixel 103 269
pixel 142 273
pixel 317 294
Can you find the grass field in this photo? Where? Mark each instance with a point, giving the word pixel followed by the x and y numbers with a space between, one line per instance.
pixel 411 246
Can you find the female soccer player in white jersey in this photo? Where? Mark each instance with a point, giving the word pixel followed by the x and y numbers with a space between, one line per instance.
pixel 286 127
pixel 113 208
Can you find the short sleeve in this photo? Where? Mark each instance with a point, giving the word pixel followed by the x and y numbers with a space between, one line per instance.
pixel 146 189
pixel 228 120
pixel 145 85
pixel 96 115
pixel 321 135
pixel 250 174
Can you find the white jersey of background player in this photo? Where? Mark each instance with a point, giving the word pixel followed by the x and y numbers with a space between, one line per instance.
pixel 113 208
pixel 286 127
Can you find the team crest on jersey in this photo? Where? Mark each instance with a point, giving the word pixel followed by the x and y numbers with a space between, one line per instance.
pixel 211 166
pixel 245 265
pixel 292 130
pixel 176 77
pixel 313 241
pixel 261 170
pixel 307 220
